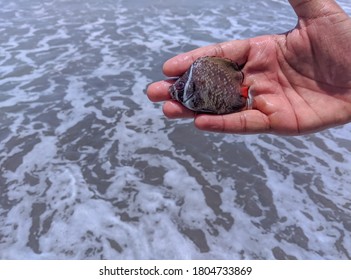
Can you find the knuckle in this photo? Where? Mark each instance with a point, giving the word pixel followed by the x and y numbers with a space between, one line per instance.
pixel 243 122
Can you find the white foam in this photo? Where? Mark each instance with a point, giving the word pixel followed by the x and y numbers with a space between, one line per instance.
pixel 115 179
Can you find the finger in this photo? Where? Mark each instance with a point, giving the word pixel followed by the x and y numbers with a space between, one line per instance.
pixel 236 50
pixel 158 91
pixel 173 109
pixel 245 122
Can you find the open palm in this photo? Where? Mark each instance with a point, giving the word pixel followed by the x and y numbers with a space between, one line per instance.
pixel 301 80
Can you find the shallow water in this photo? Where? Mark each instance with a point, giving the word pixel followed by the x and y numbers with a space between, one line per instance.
pixel 91 169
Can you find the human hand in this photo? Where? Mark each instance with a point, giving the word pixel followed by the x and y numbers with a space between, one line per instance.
pixel 300 80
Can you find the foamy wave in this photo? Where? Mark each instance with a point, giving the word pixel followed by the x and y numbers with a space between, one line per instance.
pixel 91 169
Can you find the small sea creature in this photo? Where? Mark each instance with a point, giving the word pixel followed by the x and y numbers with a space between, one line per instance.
pixel 212 85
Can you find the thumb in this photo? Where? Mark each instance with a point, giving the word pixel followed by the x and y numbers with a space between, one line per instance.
pixel 311 9
pixel 236 50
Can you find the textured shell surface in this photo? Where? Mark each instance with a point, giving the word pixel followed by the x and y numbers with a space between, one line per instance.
pixel 210 85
